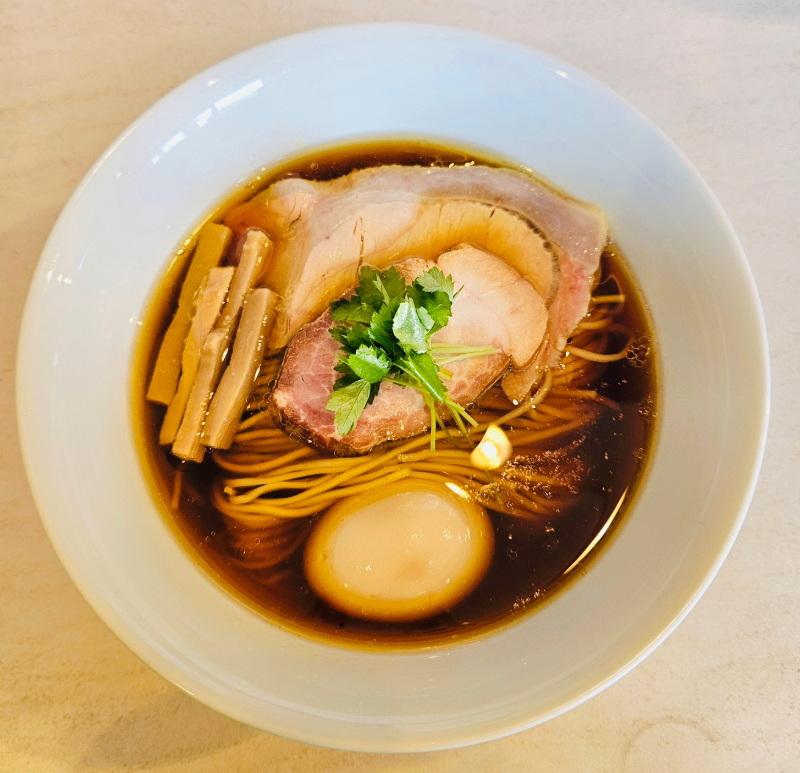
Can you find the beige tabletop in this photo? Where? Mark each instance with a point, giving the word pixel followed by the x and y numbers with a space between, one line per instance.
pixel 721 77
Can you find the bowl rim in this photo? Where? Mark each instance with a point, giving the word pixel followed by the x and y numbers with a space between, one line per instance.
pixel 115 619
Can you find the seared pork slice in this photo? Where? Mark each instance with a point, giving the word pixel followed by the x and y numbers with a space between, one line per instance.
pixel 568 308
pixel 325 230
pixel 304 388
pixel 491 309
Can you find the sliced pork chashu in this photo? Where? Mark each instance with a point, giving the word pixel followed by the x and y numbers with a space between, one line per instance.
pixel 324 231
pixel 502 291
pixel 494 305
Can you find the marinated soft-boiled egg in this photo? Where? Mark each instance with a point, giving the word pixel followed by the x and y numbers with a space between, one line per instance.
pixel 402 552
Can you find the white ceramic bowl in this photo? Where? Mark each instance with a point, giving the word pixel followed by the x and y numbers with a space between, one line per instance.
pixel 111 243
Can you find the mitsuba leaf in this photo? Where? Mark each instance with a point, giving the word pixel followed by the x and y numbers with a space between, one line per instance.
pixel 369 363
pixel 385 331
pixel 350 310
pixel 344 381
pixel 408 329
pixel 373 391
pixel 357 336
pixel 348 403
pixel 422 368
pixel 342 366
pixel 380 329
pixel 425 318
pixel 434 280
pixel 340 333
pixel 438 305
pixel 392 285
pixel 368 290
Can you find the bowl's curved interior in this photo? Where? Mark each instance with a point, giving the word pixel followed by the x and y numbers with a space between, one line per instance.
pixel 171 166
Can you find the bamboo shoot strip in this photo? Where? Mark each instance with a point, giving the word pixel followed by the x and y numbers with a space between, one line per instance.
pixel 229 400
pixel 208 310
pixel 187 441
pixel 255 252
pixel 211 246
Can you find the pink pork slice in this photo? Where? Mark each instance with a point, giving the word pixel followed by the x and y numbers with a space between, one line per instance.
pixel 502 290
pixel 325 230
pixel 492 309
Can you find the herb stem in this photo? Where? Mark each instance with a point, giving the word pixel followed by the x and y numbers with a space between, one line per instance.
pixel 460 348
pixel 385 334
pixel 465 356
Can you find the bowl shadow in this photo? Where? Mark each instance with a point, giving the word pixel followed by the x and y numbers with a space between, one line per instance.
pixel 172 728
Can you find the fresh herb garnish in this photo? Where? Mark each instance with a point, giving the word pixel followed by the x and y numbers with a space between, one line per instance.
pixel 349 403
pixel 385 333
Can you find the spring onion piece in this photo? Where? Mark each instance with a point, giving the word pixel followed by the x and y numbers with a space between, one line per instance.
pixel 493 451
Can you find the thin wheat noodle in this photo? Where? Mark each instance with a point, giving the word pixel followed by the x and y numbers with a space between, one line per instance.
pixel 272 484
pixel 254 420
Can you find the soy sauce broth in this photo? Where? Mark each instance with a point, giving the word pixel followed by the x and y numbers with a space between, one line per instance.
pixel 531 560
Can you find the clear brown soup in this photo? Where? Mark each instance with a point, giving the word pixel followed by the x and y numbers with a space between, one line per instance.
pixel 532 560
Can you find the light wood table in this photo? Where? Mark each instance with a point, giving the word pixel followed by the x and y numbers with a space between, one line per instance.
pixel 721 77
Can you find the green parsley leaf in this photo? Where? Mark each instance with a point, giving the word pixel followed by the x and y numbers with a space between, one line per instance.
pixel 340 333
pixel 369 363
pixel 425 318
pixel 384 332
pixel 392 285
pixel 422 368
pixel 349 402
pixel 373 391
pixel 434 280
pixel 380 329
pixel 344 381
pixel 440 308
pixel 342 366
pixel 350 310
pixel 409 329
pixel 438 305
pixel 368 290
pixel 357 336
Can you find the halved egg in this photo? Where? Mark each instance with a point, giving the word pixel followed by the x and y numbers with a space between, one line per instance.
pixel 402 552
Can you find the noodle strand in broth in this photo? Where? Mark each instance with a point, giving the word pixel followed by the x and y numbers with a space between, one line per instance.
pixel 280 483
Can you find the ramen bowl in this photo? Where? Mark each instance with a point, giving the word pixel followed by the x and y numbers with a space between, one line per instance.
pixel 131 212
